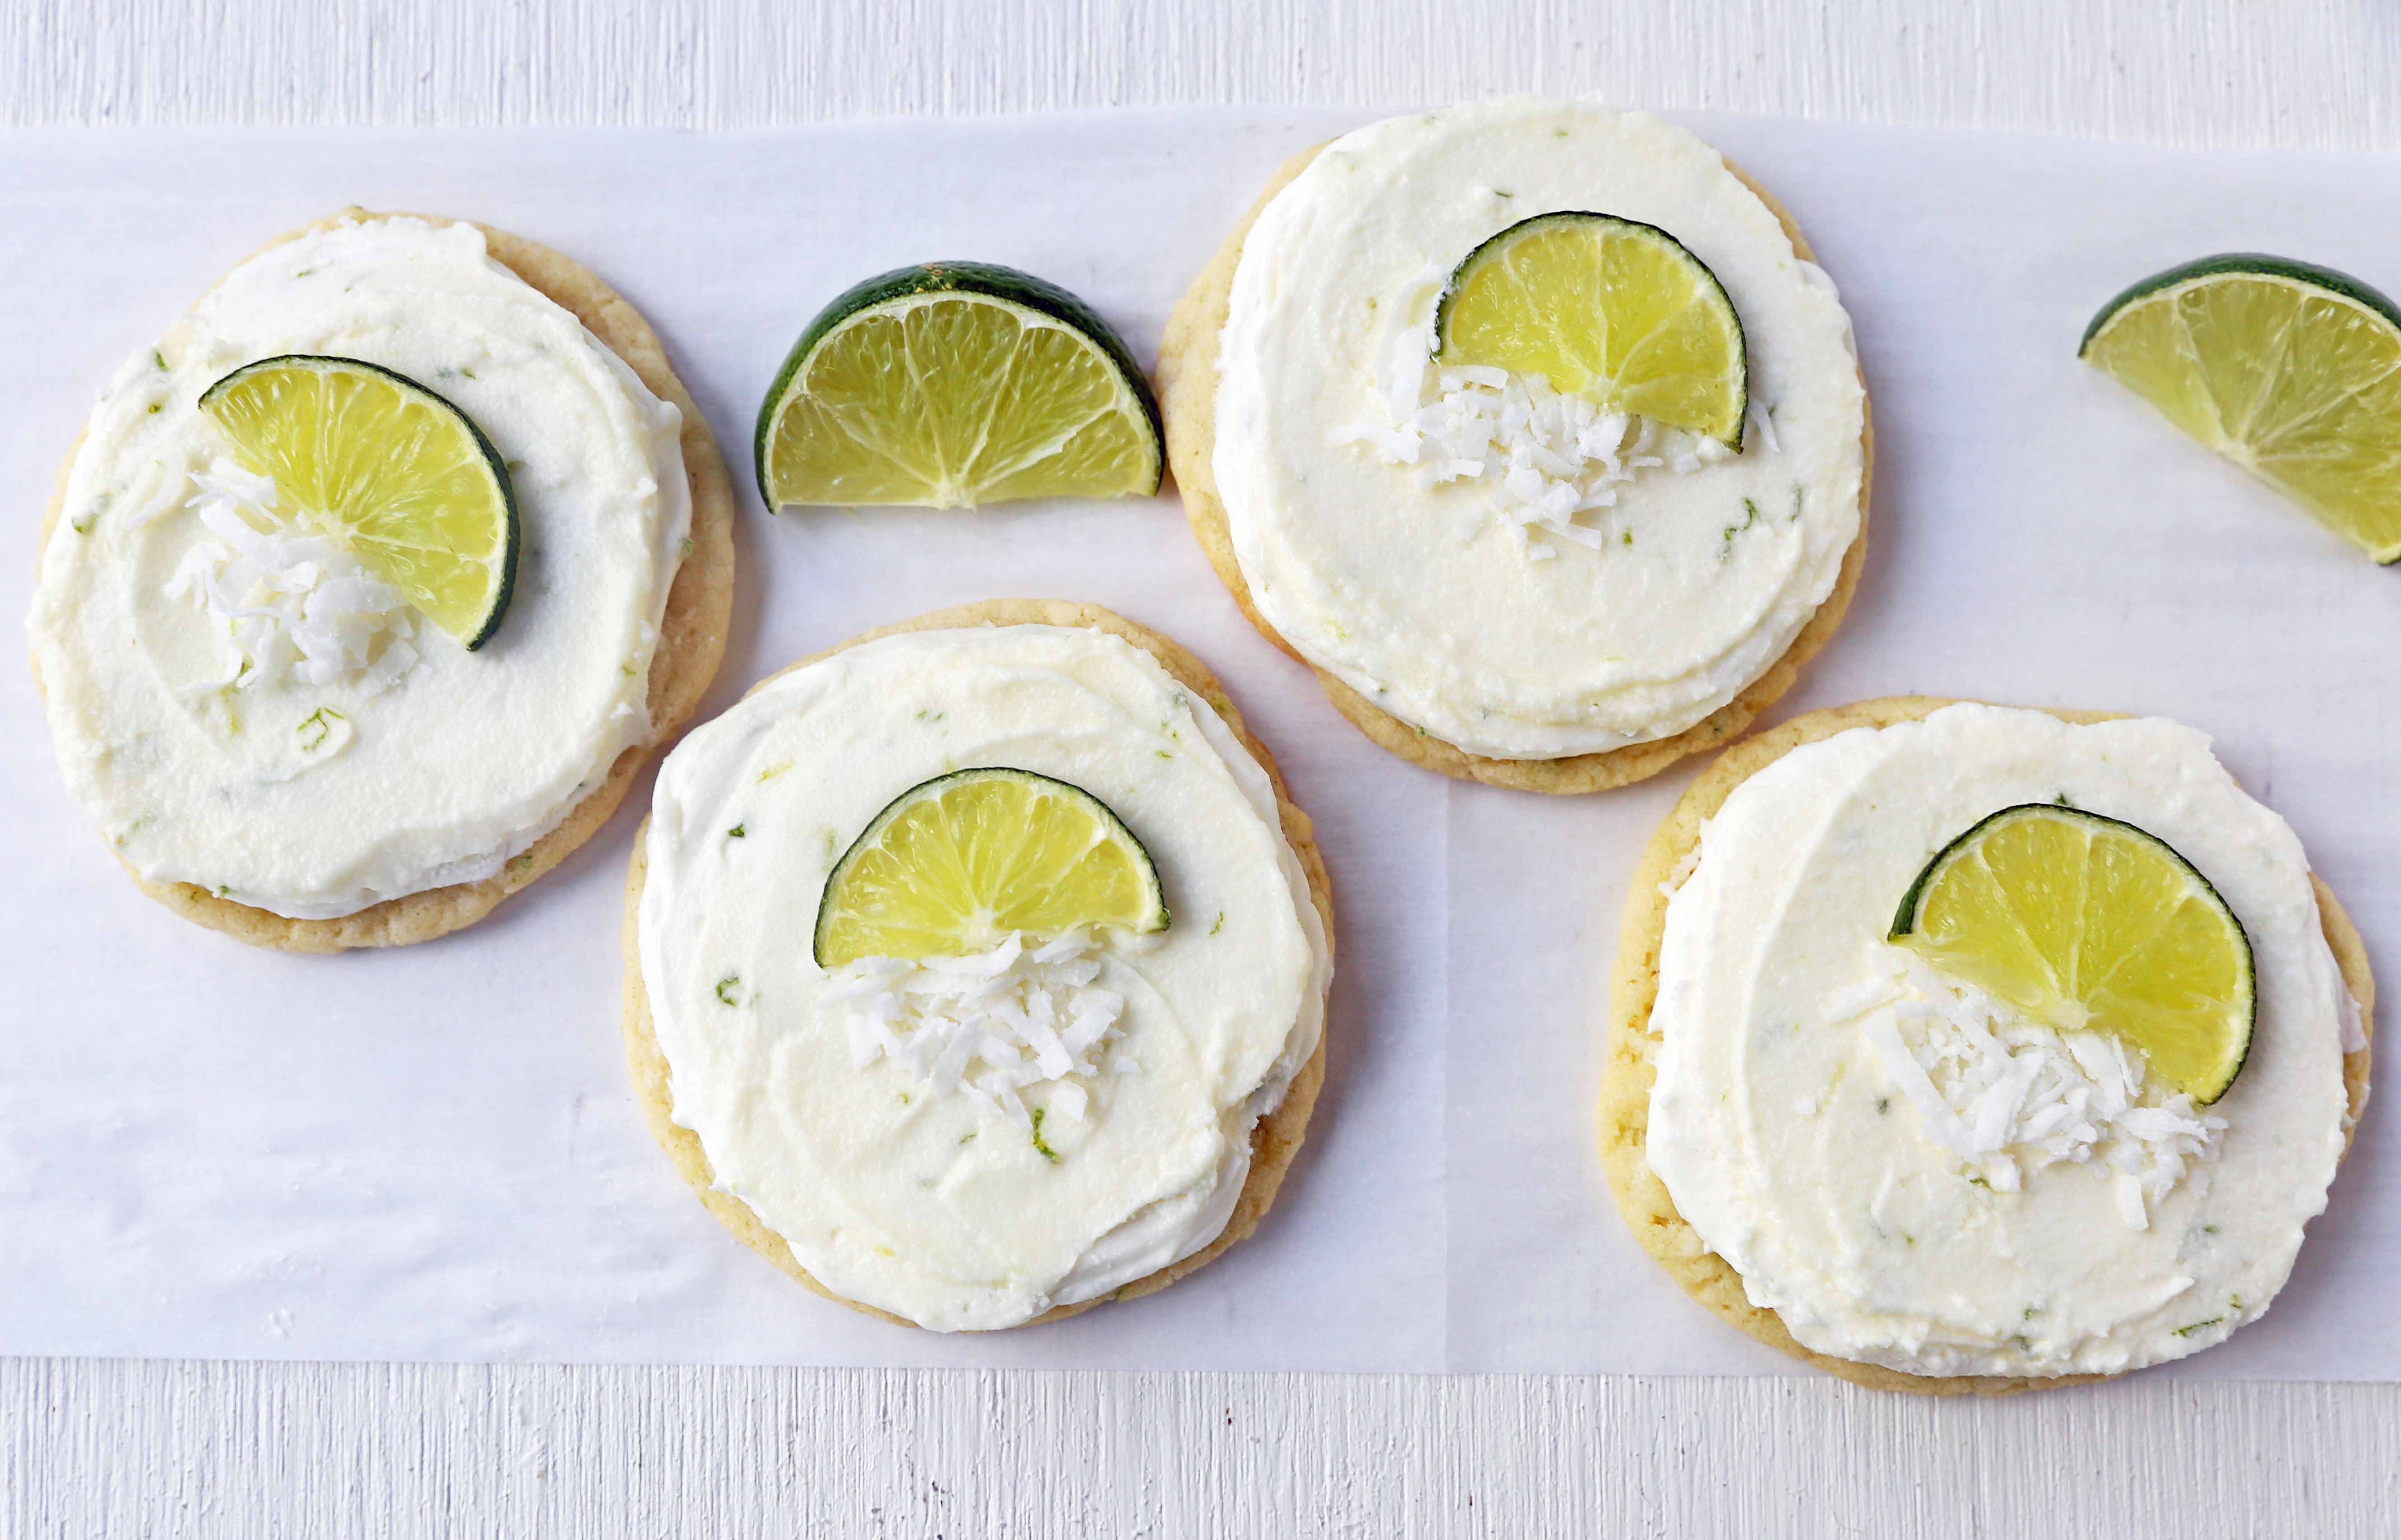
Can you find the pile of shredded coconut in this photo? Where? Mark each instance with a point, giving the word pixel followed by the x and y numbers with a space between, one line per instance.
pixel 287 600
pixel 2009 1096
pixel 1543 456
pixel 993 1025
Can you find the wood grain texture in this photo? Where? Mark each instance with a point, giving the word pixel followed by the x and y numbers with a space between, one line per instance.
pixel 125 1448
pixel 2189 71
pixel 134 1448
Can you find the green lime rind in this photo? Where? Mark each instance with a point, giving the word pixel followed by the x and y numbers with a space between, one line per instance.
pixel 513 525
pixel 992 282
pixel 1905 919
pixel 2258 264
pixel 1157 919
pixel 1491 245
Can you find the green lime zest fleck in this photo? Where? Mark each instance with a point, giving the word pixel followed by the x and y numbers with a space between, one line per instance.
pixel 1218 924
pixel 318 728
pixel 1048 1153
pixel 774 770
pixel 1750 516
pixel 2186 1331
pixel 725 988
pixel 738 830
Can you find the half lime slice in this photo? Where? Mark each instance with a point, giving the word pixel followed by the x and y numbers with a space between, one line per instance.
pixel 1610 309
pixel 402 478
pixel 956 863
pixel 2291 371
pixel 2086 922
pixel 956 384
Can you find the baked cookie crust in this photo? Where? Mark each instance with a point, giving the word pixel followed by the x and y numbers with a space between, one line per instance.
pixel 1275 1139
pixel 1631 1064
pixel 691 635
pixel 1187 399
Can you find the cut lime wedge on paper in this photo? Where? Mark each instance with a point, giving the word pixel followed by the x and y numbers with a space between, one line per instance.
pixel 953 385
pixel 2291 371
pixel 2087 922
pixel 406 480
pixel 952 866
pixel 1605 307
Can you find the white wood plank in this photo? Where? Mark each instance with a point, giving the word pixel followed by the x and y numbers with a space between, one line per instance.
pixel 113 1448
pixel 121 1448
pixel 2193 72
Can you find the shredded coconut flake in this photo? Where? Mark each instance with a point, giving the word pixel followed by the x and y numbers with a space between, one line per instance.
pixel 993 1025
pixel 1544 458
pixel 287 599
pixel 2009 1096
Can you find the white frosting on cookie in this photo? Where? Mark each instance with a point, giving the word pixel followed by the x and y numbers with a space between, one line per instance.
pixel 1832 1129
pixel 915 1187
pixel 315 791
pixel 1448 602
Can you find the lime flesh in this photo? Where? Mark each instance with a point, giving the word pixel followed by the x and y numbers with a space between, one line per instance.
pixel 1606 307
pixel 2291 371
pixel 2084 922
pixel 955 385
pixel 406 480
pixel 956 864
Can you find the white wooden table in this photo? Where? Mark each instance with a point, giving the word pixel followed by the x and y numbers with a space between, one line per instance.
pixel 150 1447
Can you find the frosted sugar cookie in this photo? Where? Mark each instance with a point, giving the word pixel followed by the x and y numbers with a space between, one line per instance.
pixel 371 583
pixel 1961 1048
pixel 1531 428
pixel 976 969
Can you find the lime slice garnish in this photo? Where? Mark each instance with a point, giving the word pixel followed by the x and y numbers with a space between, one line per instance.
pixel 956 864
pixel 402 478
pixel 2084 922
pixel 1604 307
pixel 2291 371
pixel 954 384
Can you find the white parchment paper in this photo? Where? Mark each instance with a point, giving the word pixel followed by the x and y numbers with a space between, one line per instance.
pixel 208 1151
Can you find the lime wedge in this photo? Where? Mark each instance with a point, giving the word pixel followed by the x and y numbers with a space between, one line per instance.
pixel 951 385
pixel 958 863
pixel 1605 307
pixel 2084 922
pixel 2291 371
pixel 402 478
